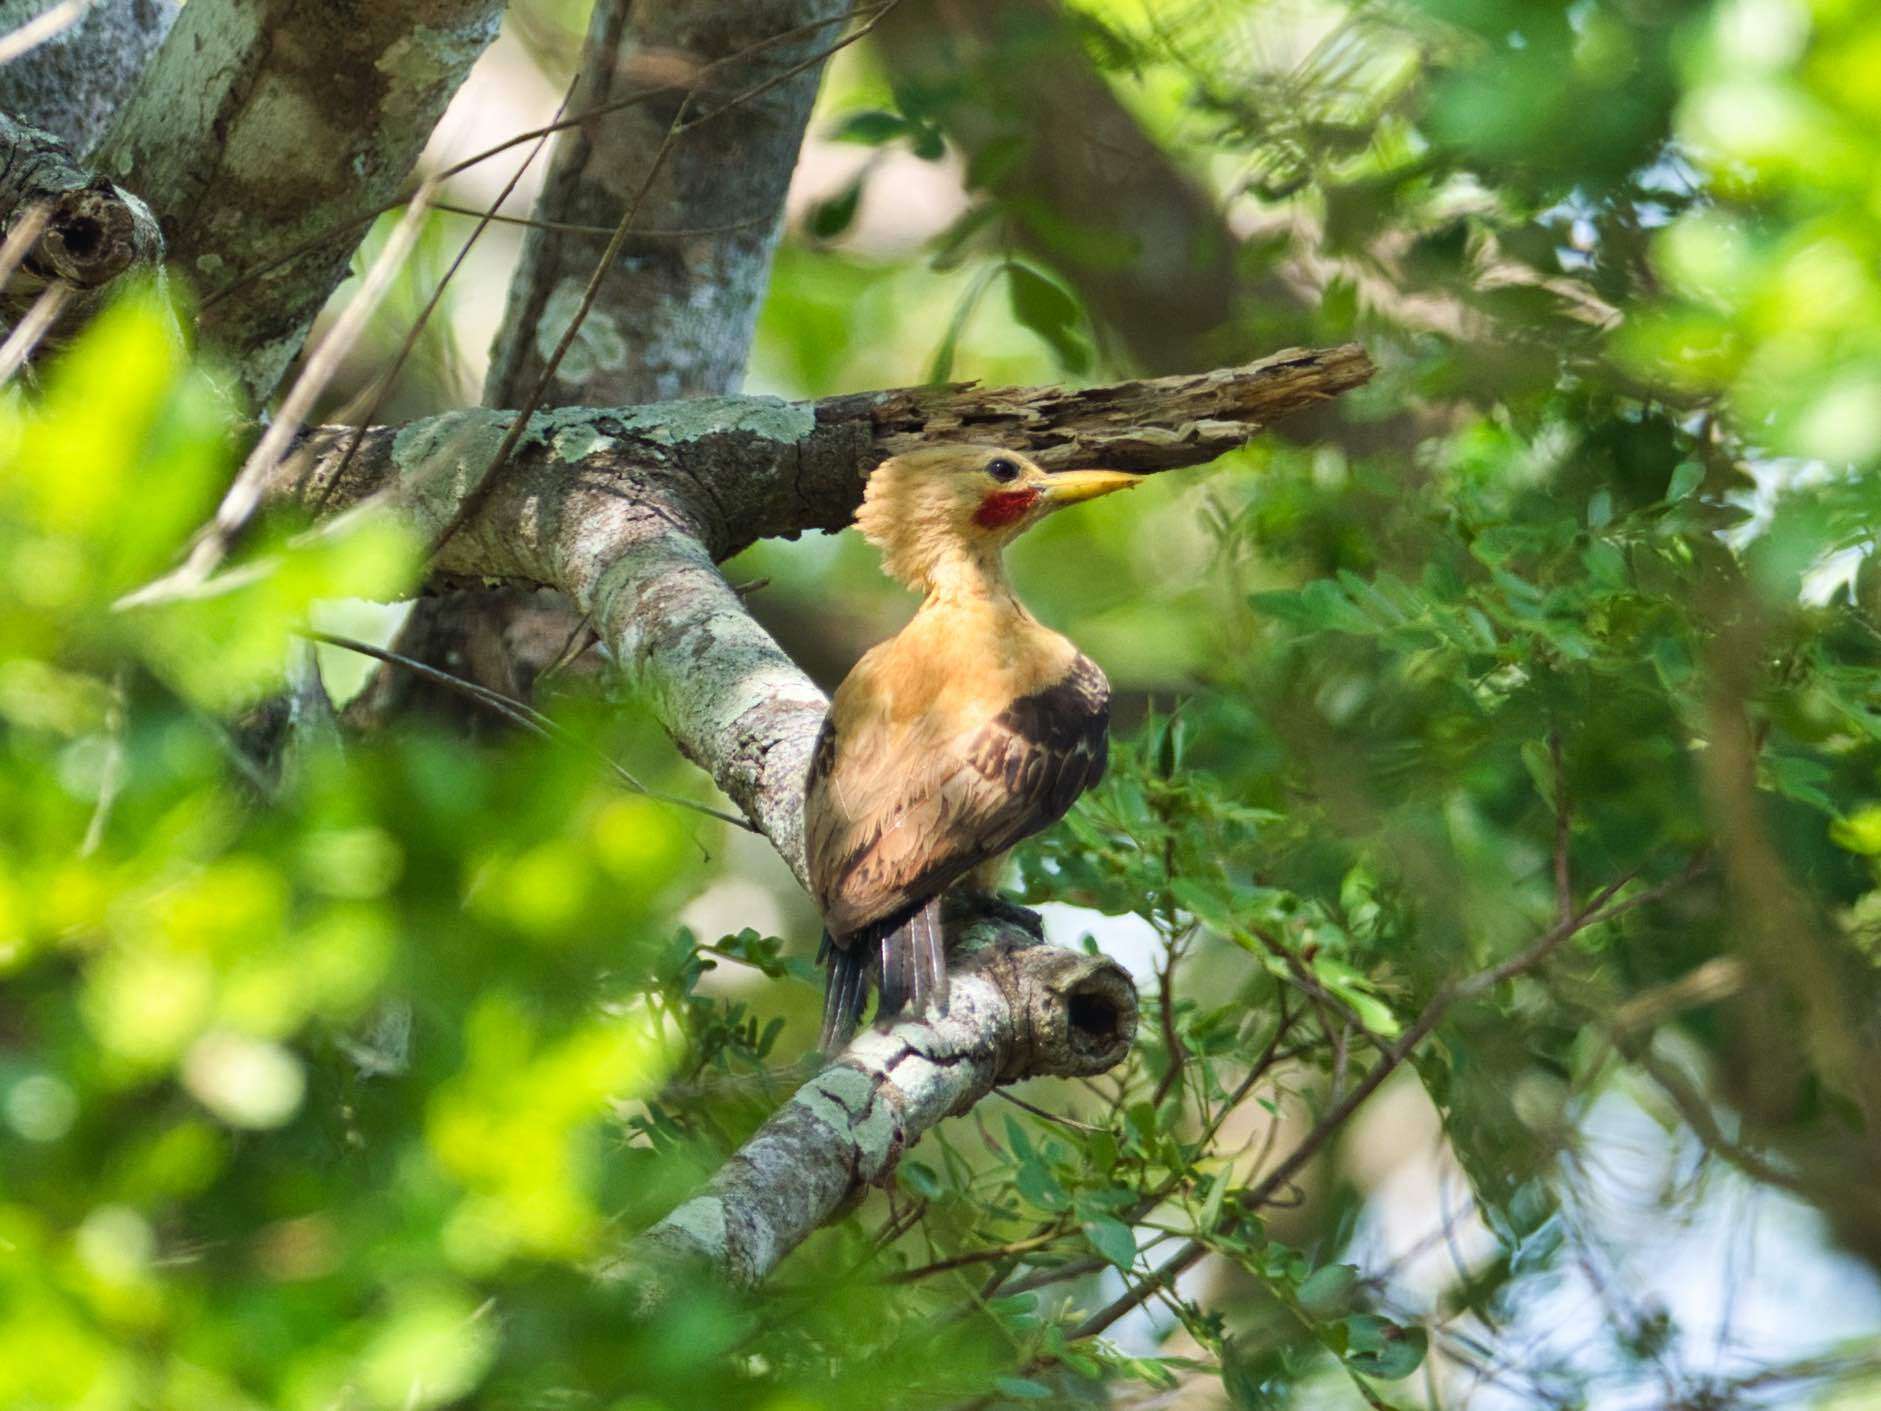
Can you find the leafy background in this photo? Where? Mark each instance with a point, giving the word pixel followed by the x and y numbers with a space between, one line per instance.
pixel 336 1088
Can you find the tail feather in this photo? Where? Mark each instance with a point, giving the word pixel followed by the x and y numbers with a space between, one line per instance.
pixel 911 961
pixel 931 962
pixel 912 958
pixel 844 994
pixel 896 981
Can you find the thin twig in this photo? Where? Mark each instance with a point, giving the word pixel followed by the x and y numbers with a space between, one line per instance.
pixel 25 232
pixel 244 496
pixel 1041 1113
pixel 977 1256
pixel 527 716
pixel 1601 909
pixel 382 384
pixel 49 24
pixel 599 232
pixel 1166 1012
pixel 29 330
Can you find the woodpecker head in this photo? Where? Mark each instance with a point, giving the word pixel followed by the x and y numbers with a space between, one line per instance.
pixel 946 504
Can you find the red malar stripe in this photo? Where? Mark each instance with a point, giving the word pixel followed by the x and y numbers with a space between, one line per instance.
pixel 1003 507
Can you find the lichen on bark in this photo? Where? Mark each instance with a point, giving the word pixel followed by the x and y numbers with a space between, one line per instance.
pixel 265 125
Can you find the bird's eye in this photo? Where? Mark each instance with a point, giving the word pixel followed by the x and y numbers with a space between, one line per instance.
pixel 1003 470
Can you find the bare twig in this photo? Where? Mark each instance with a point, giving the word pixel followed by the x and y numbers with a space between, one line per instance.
pixel 244 496
pixel 28 331
pixel 382 384
pixel 1166 1013
pixel 561 227
pixel 48 24
pixel 20 240
pixel 526 716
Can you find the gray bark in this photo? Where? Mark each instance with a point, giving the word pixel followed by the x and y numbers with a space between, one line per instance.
pixel 748 468
pixel 673 316
pixel 263 125
pixel 1015 1009
pixel 93 231
pixel 73 84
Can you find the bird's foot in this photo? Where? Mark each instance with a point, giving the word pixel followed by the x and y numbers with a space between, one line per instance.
pixel 989 906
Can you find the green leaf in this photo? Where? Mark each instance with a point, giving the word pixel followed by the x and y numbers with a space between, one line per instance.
pixel 1113 1239
pixel 1687 476
pixel 927 141
pixel 1017 1139
pixel 1041 1188
pixel 1050 311
pixel 1799 778
pixel 993 162
pixel 1217 1193
pixel 1859 832
pixel 1022 1389
pixel 871 127
pixel 1378 1347
pixel 1540 765
pixel 832 217
pixel 1169 750
pixel 1207 901
pixel 941 366
pixel 1328 1291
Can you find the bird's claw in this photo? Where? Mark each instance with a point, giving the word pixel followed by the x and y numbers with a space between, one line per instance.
pixel 990 907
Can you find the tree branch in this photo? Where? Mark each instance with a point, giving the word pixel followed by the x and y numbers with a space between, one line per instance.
pixel 626 509
pixel 89 231
pixel 672 315
pixel 1016 1009
pixel 261 123
pixel 747 468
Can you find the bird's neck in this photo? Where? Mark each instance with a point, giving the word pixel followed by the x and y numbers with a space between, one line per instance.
pixel 961 576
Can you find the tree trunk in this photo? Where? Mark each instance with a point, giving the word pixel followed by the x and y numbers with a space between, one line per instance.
pixel 265 133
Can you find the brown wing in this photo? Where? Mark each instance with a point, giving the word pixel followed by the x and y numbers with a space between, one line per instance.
pixel 895 814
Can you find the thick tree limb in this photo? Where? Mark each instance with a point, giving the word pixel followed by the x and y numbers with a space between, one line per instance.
pixel 73 83
pixel 1016 1009
pixel 90 230
pixel 746 468
pixel 262 124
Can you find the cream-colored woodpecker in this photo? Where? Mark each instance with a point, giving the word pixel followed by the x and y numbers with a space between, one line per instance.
pixel 970 729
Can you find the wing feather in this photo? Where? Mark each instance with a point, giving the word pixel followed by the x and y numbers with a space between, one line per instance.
pixel 895 813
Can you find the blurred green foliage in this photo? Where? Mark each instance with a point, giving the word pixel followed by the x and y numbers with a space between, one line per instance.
pixel 337 1086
